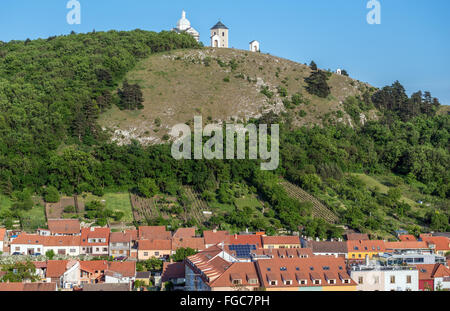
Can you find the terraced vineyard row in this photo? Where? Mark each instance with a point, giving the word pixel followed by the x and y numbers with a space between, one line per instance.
pixel 198 204
pixel 319 210
pixel 143 208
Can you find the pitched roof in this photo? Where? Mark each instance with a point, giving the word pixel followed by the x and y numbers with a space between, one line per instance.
pixel 172 270
pixel 405 245
pixel 431 271
pixel 245 239
pixel 267 240
pixel 133 233
pixel 314 268
pixel 27 287
pixel 215 237
pixel 219 25
pixel 62 240
pixel 34 239
pixel 120 237
pixel 407 237
pixel 442 243
pixel 94 233
pixel 184 233
pixel 243 271
pixel 30 239
pixel 366 246
pixel 106 287
pixel 154 245
pixel 328 246
pixel 193 243
pixel 93 265
pixel 125 268
pixel 357 236
pixel 284 252
pixel 56 268
pixel 2 233
pixel 154 232
pixel 209 263
pixel 64 226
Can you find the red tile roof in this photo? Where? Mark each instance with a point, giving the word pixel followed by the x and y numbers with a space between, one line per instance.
pixel 215 237
pixel 245 239
pixel 321 268
pixel 93 265
pixel 154 232
pixel 34 239
pixel 56 268
pixel 442 243
pixel 357 236
pixel 133 233
pixel 407 237
pixel 120 237
pixel 366 246
pixel 64 226
pixel 154 245
pixel 184 233
pixel 2 233
pixel 238 271
pixel 27 287
pixel 125 268
pixel 197 244
pixel 409 244
pixel 274 240
pixel 428 272
pixel 94 233
pixel 172 270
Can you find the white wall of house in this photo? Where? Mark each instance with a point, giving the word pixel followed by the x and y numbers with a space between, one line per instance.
pixel 119 279
pixel 400 280
pixel 442 283
pixel 371 280
pixel 71 277
pixel 23 248
pixel 68 250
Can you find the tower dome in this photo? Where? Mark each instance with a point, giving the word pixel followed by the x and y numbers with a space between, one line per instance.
pixel 183 23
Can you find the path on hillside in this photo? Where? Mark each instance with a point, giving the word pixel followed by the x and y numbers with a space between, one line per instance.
pixel 319 210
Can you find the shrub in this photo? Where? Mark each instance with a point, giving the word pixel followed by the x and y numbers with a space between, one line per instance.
pixel 265 90
pixel 51 195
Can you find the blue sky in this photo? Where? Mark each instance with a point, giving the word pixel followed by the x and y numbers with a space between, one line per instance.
pixel 412 43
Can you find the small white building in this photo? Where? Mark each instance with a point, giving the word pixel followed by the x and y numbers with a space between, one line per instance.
pixel 184 26
pixel 381 278
pixel 339 71
pixel 219 36
pixel 254 46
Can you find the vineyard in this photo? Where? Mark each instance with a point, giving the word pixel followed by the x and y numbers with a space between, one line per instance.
pixel 198 205
pixel 319 210
pixel 143 208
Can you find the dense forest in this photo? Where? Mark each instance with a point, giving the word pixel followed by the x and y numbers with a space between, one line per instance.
pixel 53 90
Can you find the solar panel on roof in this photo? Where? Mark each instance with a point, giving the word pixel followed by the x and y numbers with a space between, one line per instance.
pixel 242 251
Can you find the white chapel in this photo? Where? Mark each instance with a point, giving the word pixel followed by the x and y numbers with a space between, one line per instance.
pixel 184 25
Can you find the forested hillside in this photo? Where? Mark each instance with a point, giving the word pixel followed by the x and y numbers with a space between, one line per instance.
pixel 52 92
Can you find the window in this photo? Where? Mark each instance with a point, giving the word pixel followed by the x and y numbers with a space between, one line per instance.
pixel 283 269
pixel 156 253
pixel 392 279
pixel 355 248
pixel 72 250
pixel 408 279
pixel 223 34
pixel 317 282
pixel 332 281
pixel 38 249
pixel 353 255
pixel 97 249
pixel 145 253
pixel 105 249
pixel 376 279
pixel 273 283
pixel 302 282
pixel 288 282
pixel 360 280
pixel 237 282
pixel 359 255
pixel 253 281
pixel 326 268
pixel 17 248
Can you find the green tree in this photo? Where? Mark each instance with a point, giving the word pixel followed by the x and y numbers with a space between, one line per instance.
pixel 51 195
pixel 147 187
pixel 183 253
pixel 50 254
